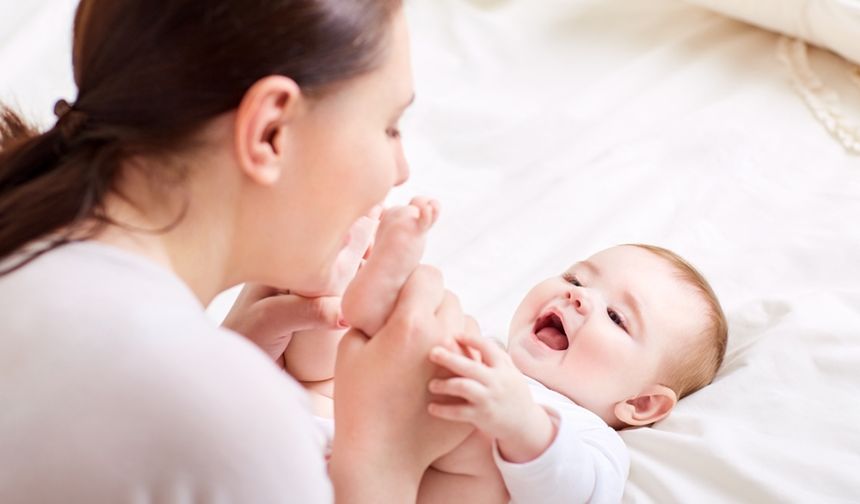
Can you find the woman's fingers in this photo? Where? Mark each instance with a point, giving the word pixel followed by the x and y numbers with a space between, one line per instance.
pixel 351 344
pixel 298 313
pixel 449 316
pixel 424 288
pixel 422 291
pixel 253 292
pixel 270 322
pixel 361 235
pixel 374 214
pixel 381 397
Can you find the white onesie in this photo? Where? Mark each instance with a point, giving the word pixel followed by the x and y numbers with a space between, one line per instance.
pixel 587 462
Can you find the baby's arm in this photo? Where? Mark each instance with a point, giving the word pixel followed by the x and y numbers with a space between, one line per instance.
pixel 398 248
pixel 549 456
pixel 498 400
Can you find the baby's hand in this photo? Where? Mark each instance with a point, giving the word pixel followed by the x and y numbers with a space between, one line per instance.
pixel 497 399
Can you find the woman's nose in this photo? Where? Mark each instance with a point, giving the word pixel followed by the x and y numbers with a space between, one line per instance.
pixel 402 170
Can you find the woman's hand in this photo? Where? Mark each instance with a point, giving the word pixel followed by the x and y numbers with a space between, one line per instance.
pixel 269 317
pixel 385 438
pixel 351 257
pixel 497 399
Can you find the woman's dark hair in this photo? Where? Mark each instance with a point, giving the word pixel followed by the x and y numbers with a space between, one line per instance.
pixel 149 74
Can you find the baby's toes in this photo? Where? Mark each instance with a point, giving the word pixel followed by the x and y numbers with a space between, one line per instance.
pixel 429 213
pixel 399 215
pixel 397 220
pixel 434 208
pixel 419 201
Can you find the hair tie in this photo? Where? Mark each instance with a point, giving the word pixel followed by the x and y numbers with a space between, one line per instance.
pixel 69 119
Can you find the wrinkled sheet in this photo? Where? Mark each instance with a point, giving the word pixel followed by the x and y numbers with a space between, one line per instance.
pixel 549 130
pixel 552 129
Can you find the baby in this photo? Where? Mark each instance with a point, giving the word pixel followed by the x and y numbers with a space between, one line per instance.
pixel 613 342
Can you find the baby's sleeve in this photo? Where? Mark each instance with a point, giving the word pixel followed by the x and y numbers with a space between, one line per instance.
pixel 586 462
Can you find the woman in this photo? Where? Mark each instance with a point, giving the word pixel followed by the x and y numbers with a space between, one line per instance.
pixel 211 143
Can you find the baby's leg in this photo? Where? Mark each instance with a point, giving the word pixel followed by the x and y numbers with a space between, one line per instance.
pixel 466 474
pixel 311 354
pixel 442 488
pixel 398 248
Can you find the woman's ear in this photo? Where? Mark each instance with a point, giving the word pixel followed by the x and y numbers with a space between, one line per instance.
pixel 652 405
pixel 260 127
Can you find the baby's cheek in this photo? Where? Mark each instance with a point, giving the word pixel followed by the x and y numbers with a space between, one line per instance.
pixel 537 298
pixel 602 357
pixel 527 311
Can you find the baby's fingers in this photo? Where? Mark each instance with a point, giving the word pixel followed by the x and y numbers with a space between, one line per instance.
pixel 453 412
pixel 491 352
pixel 464 388
pixel 459 364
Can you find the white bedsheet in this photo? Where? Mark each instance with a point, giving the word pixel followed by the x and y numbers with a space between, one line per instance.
pixel 549 130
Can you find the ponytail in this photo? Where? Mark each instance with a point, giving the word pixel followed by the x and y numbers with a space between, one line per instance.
pixel 45 188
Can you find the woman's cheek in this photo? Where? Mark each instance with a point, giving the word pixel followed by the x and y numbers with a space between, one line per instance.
pixel 366 183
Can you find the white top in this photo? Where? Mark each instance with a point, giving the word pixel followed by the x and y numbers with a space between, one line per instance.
pixel 116 387
pixel 586 462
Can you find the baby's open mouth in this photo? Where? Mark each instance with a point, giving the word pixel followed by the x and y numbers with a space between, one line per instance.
pixel 549 329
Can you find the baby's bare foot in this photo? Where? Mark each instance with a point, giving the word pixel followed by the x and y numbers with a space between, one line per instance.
pixel 400 238
pixel 397 251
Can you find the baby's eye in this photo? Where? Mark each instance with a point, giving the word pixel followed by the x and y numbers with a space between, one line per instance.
pixel 616 318
pixel 571 278
pixel 393 133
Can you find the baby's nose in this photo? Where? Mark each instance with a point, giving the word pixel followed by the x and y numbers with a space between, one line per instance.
pixel 577 299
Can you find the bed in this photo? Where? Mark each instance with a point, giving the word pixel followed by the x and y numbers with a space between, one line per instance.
pixel 549 130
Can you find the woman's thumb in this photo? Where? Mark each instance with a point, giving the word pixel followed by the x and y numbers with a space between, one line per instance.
pixel 296 313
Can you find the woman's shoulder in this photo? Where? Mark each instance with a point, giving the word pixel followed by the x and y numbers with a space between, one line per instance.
pixel 132 372
pixel 83 272
pixel 215 421
pixel 225 412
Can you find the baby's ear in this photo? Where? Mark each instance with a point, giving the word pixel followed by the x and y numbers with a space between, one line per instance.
pixel 652 405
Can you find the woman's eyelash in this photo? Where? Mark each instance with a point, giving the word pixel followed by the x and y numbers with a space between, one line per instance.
pixel 571 278
pixel 393 132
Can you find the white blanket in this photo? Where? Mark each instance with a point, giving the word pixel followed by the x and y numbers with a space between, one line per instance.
pixel 551 129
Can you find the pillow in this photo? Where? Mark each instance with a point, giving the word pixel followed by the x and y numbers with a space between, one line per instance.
pixel 832 24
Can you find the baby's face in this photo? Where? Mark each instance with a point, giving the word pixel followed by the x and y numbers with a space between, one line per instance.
pixel 601 332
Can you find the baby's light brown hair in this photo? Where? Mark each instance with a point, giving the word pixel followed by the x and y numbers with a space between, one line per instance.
pixel 697 361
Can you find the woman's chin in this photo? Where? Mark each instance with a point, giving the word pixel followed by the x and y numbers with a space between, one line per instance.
pixel 321 281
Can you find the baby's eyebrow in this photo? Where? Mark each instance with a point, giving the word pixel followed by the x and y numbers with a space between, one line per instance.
pixel 627 297
pixel 589 266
